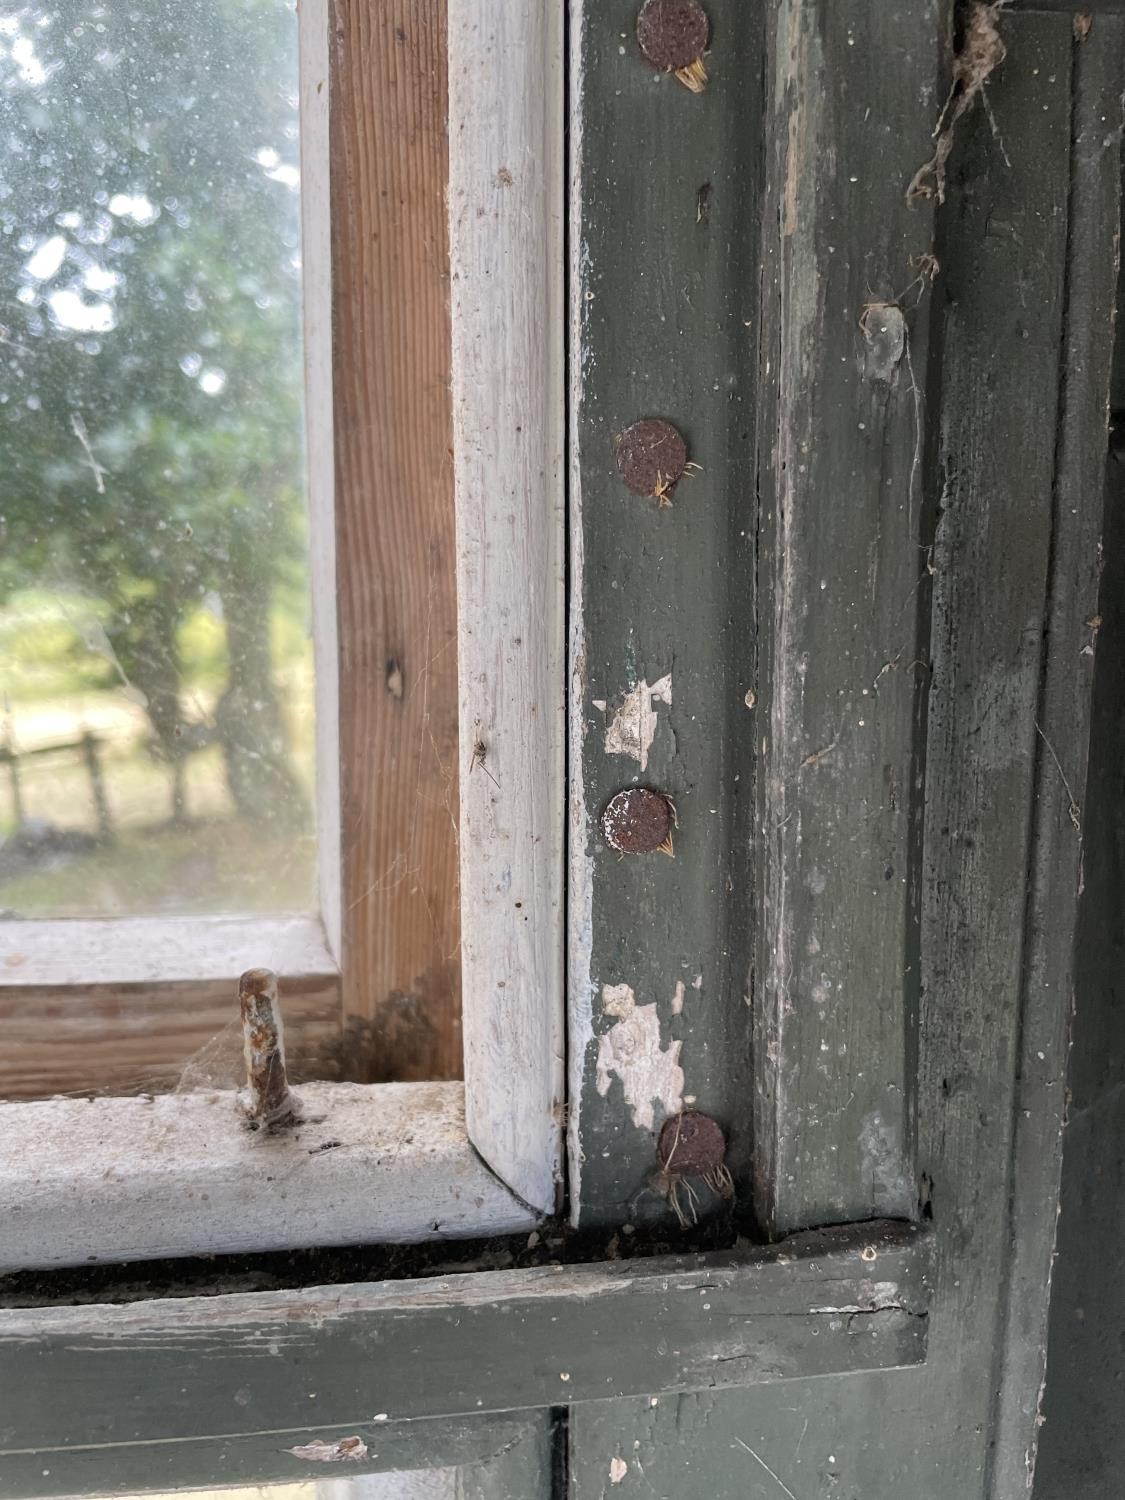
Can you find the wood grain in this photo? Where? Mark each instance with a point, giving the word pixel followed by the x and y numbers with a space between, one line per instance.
pixel 848 1300
pixel 151 1003
pixel 844 615
pixel 137 1038
pixel 1062 723
pixel 506 244
pixel 395 541
pixel 1082 1443
pixel 1001 337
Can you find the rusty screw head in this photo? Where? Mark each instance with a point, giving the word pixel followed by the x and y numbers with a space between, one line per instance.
pixel 672 33
pixel 651 457
pixel 639 821
pixel 690 1145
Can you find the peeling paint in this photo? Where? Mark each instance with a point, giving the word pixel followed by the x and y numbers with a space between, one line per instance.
pixel 631 1049
pixel 618 1469
pixel 633 727
pixel 678 998
pixel 344 1450
pixel 884 335
pixel 618 999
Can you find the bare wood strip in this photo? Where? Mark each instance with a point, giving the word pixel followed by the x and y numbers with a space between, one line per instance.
pixel 138 1038
pixel 395 541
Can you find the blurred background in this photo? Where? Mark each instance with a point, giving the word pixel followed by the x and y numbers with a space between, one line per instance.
pixel 156 695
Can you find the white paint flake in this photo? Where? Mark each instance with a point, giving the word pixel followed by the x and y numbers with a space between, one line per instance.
pixel 342 1451
pixel 649 1073
pixel 633 727
pixel 618 999
pixel 618 1469
pixel 678 998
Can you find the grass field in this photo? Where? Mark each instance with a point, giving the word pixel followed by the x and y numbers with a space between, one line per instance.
pixel 58 682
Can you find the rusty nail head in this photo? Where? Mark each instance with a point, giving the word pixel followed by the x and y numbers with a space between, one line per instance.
pixel 690 1145
pixel 639 821
pixel 672 33
pixel 651 457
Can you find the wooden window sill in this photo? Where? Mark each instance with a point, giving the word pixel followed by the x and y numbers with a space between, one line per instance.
pixel 108 1179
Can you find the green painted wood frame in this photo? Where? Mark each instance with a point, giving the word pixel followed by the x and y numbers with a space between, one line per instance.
pixel 88 1387
pixel 900 416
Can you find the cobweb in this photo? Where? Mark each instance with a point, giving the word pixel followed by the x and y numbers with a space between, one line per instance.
pixel 218 1064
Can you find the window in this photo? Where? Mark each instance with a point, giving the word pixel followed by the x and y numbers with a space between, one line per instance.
pixel 412 1158
pixel 157 727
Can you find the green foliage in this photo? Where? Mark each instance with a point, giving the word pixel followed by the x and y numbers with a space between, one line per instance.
pixel 43 643
pixel 149 311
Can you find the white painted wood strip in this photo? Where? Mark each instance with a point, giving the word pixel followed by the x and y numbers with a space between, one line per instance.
pixel 136 1179
pixel 316 274
pixel 580 871
pixel 152 950
pixel 506 131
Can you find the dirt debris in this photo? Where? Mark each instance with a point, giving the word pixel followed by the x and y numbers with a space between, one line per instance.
pixel 980 53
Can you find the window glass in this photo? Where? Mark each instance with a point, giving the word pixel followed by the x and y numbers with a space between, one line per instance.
pixel 156 737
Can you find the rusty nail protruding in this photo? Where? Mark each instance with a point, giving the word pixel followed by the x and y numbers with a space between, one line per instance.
pixel 690 1144
pixel 673 36
pixel 267 1101
pixel 651 457
pixel 639 821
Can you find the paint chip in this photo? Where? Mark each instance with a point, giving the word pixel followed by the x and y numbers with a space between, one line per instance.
pixel 618 1469
pixel 341 1451
pixel 618 999
pixel 633 727
pixel 631 1049
pixel 678 998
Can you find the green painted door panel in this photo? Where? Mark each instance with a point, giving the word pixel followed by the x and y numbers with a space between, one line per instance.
pixel 471 1458
pixel 856 653
pixel 908 594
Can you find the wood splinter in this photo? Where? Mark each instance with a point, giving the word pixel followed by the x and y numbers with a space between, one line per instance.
pixel 266 1102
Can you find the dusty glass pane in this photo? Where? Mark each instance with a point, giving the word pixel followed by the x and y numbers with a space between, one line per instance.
pixel 156 745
